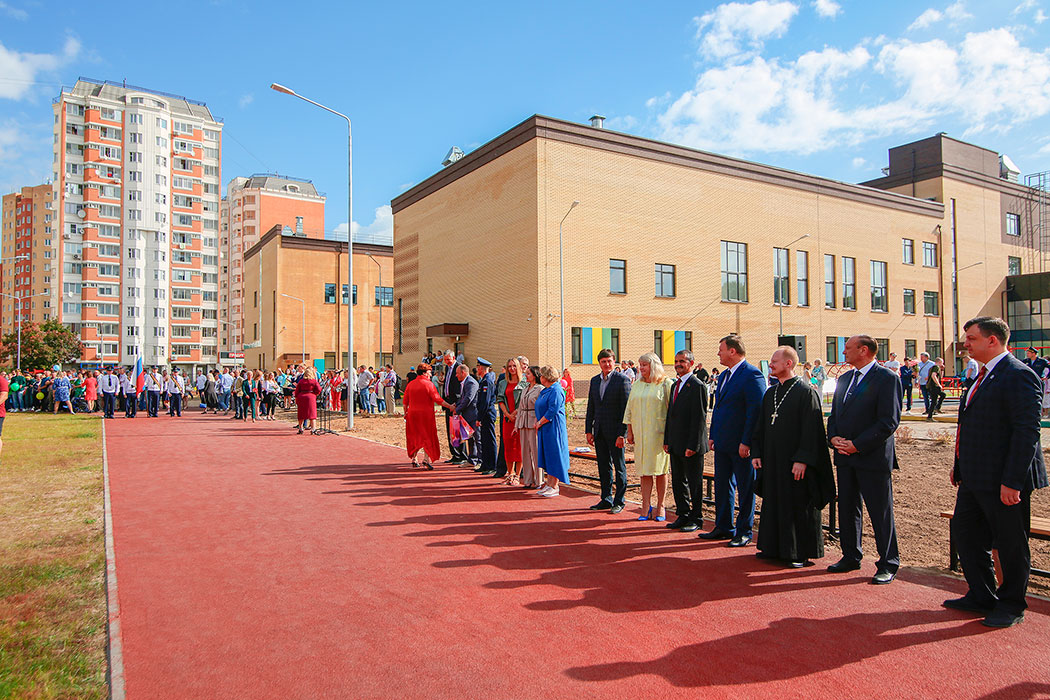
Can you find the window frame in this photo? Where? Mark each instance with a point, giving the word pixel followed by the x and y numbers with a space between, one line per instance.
pixel 660 272
pixel 622 270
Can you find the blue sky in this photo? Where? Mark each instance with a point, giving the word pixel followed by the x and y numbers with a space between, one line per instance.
pixel 820 86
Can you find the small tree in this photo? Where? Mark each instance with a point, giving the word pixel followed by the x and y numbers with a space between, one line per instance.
pixel 43 345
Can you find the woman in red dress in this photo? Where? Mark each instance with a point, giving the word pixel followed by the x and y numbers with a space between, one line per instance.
pixel 91 391
pixel 508 398
pixel 570 393
pixel 420 425
pixel 306 392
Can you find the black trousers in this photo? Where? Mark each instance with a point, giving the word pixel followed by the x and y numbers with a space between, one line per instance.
pixel 131 406
pixel 152 402
pixel 501 459
pixel 109 404
pixel 611 467
pixel 981 523
pixel 176 404
pixel 686 485
pixel 456 453
pixel 487 435
pixel 875 489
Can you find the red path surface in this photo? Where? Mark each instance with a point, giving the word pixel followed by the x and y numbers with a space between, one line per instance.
pixel 255 563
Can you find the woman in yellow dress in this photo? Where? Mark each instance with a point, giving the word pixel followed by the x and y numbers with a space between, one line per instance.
pixel 645 416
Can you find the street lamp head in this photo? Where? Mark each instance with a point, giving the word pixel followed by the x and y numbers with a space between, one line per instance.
pixel 281 88
pixel 575 202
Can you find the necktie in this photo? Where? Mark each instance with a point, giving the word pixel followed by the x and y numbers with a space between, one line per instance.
pixel 980 378
pixel 677 386
pixel 853 382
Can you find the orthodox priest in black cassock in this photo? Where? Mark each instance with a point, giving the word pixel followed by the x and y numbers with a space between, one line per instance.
pixel 791 431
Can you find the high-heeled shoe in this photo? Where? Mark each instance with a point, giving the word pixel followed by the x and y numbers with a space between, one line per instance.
pixel 647 515
pixel 661 518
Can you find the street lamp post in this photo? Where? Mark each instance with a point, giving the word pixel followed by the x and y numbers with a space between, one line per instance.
pixel 781 304
pixel 561 272
pixel 302 323
pixel 380 308
pixel 349 232
pixel 18 311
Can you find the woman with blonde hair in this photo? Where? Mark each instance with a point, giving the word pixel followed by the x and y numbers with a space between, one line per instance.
pixel 646 419
pixel 525 422
pixel 508 399
pixel 306 392
pixel 552 437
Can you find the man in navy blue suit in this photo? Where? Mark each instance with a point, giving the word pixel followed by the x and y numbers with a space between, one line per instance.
pixel 865 414
pixel 467 408
pixel 998 463
pixel 738 401
pixel 605 429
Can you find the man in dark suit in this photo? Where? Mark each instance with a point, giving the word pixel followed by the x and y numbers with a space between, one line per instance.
pixel 739 393
pixel 865 414
pixel 998 463
pixel 450 394
pixel 685 440
pixel 467 408
pixel 606 402
pixel 488 414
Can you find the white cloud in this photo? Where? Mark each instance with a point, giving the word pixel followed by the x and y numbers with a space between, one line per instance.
pixel 723 30
pixel 658 100
pixel 827 8
pixel 21 70
pixel 24 153
pixel 624 123
pixel 1026 5
pixel 859 162
pixel 381 230
pixel 245 100
pixel 1040 17
pixel 930 16
pixel 14 12
pixel 956 12
pixel 833 98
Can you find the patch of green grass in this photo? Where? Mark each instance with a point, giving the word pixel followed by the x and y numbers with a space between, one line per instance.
pixel 52 558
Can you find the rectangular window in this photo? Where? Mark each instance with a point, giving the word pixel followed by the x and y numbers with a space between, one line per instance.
pixel 329 294
pixel 882 354
pixel 617 276
pixel 931 303
pixel 829 281
pixel 909 302
pixel 831 349
pixel 907 251
pixel 577 345
pixel 734 271
pixel 802 277
pixel 933 348
pixel 1013 224
pixel 664 280
pixel 929 254
pixel 781 277
pixel 910 347
pixel 658 343
pixel 384 296
pixel 849 283
pixel 879 300
pixel 1013 265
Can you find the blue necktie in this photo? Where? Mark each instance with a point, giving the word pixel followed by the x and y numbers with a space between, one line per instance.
pixel 854 381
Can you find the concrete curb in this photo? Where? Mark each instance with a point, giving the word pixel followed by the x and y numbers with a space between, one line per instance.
pixel 114 644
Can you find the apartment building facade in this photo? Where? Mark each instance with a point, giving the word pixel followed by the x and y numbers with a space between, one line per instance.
pixel 673 248
pixel 252 206
pixel 28 257
pixel 137 176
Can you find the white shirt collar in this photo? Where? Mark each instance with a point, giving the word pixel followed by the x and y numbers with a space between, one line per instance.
pixel 734 368
pixel 864 370
pixel 990 365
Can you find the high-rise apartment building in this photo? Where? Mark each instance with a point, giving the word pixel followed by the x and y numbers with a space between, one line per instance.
pixel 252 206
pixel 137 176
pixel 29 257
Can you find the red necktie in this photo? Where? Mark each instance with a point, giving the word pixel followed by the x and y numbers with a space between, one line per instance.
pixel 677 386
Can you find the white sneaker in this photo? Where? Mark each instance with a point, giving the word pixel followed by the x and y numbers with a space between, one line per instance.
pixel 549 493
pixel 542 491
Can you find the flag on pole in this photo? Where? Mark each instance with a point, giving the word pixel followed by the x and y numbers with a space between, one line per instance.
pixel 139 377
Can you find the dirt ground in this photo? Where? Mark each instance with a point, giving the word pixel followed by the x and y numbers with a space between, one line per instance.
pixel 920 489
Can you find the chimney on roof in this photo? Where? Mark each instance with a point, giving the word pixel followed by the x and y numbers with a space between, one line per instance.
pixel 598 121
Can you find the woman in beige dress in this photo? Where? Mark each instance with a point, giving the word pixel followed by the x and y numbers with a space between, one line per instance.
pixel 525 422
pixel 646 416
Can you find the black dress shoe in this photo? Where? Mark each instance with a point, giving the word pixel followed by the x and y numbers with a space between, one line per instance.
pixel 616 509
pixel 480 469
pixel 742 541
pixel 1002 618
pixel 799 563
pixel 883 576
pixel 487 472
pixel 968 605
pixel 843 565
pixel 601 505
pixel 715 535
pixel 678 524
pixel 689 527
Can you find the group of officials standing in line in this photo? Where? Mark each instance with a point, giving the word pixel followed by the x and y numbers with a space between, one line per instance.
pixel 772 442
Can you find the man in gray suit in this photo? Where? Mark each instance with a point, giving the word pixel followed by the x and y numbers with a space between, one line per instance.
pixel 467 408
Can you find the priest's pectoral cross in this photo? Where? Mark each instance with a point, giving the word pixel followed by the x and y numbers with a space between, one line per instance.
pixel 774 420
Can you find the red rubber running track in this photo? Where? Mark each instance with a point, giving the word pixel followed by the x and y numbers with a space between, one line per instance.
pixel 255 563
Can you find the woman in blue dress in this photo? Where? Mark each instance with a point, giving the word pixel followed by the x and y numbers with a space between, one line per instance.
pixel 62 388
pixel 552 436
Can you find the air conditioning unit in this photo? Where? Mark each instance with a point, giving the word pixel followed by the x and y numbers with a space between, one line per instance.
pixel 75 256
pixel 66 236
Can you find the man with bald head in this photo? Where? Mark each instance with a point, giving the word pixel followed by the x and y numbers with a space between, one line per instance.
pixel 790 454
pixel 865 414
